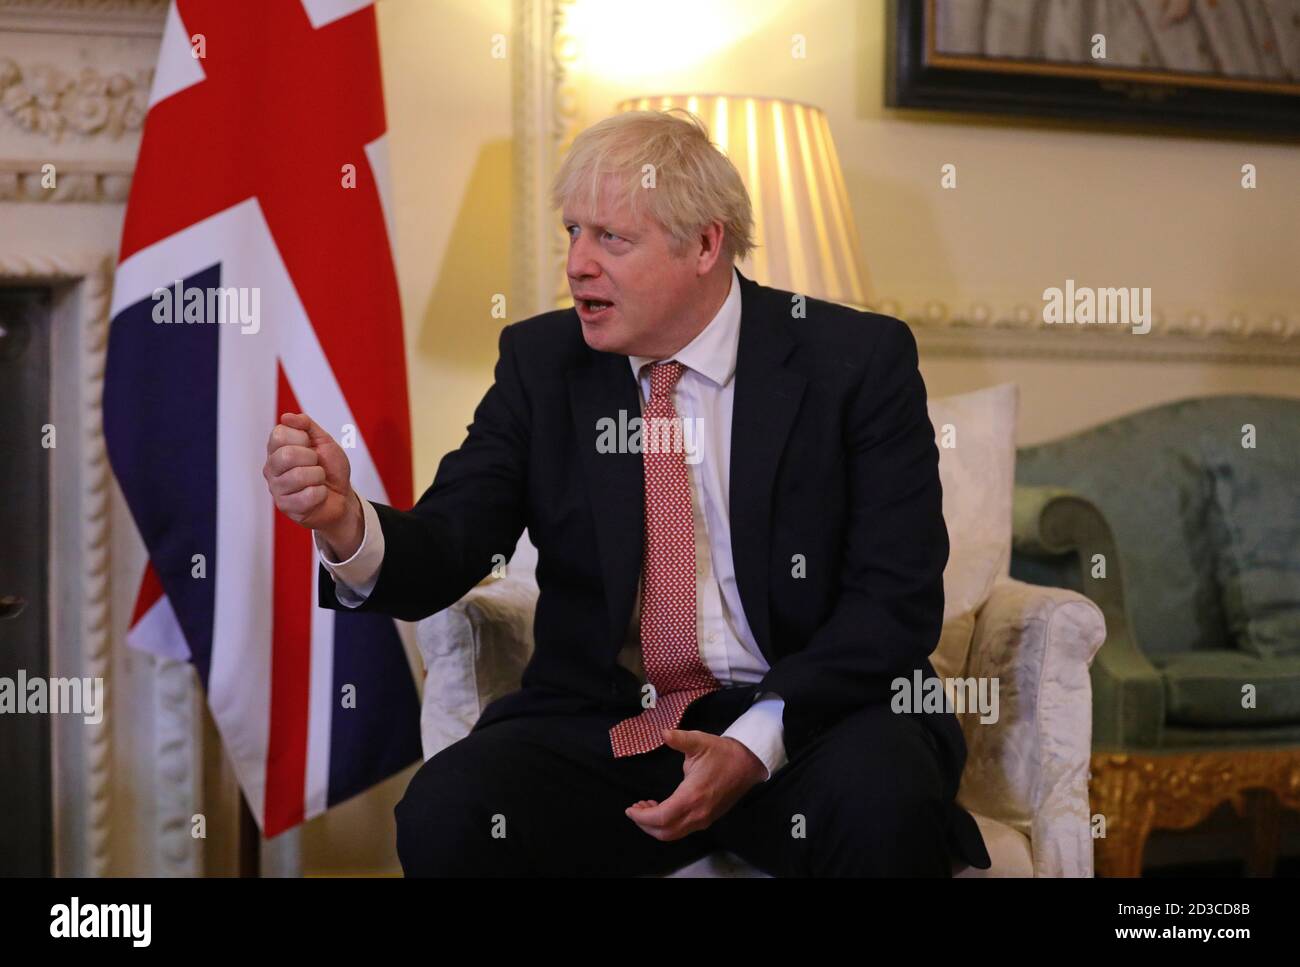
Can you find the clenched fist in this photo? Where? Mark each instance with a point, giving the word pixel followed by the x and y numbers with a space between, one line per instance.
pixel 310 478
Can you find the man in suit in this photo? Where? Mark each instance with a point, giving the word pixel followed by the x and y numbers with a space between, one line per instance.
pixel 734 495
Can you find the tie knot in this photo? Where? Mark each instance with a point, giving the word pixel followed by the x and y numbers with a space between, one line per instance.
pixel 663 377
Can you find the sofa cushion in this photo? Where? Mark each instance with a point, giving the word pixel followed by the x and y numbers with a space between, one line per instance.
pixel 1009 849
pixel 475 651
pixel 1256 522
pixel 1147 474
pixel 719 863
pixel 1205 688
pixel 975 433
pixel 950 657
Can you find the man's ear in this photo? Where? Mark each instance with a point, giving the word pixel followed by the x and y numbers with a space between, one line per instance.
pixel 709 242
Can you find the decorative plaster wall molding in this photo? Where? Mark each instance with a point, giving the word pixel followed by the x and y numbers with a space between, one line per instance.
pixel 53 101
pixel 139 18
pixel 81 644
pixel 548 112
pixel 1195 335
pixel 81 571
pixel 75 181
pixel 95 489
pixel 96 269
pixel 177 778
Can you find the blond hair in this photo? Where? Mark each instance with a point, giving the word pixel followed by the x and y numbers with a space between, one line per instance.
pixel 695 184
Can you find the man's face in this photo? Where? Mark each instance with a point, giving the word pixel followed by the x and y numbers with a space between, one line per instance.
pixel 628 263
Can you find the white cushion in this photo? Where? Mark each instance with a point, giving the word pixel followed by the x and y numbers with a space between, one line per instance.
pixel 976 436
pixel 475 651
pixel 719 863
pixel 1009 851
pixel 950 656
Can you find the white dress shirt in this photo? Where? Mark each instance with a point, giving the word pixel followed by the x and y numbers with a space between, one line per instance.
pixel 704 396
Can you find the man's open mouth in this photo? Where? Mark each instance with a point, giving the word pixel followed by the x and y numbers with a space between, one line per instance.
pixel 594 306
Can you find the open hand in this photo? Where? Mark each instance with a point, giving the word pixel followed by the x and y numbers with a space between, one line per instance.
pixel 717 772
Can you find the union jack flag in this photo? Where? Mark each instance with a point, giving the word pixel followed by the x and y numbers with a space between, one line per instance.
pixel 261 186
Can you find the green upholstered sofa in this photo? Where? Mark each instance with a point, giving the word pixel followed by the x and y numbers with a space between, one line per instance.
pixel 1182 522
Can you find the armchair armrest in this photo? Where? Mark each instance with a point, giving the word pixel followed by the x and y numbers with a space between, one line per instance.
pixel 474 652
pixel 1029 767
pixel 1065 532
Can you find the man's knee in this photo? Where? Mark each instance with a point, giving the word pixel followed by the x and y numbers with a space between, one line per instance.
pixel 898 833
pixel 882 805
pixel 444 828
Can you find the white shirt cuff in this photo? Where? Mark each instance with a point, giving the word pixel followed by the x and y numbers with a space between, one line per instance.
pixel 355 578
pixel 761 730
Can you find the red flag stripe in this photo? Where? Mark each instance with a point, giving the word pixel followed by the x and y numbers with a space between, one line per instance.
pixel 286 754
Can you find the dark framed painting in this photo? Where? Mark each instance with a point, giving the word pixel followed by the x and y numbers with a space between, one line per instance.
pixel 1213 64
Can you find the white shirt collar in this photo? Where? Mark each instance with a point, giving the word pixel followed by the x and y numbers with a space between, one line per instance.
pixel 712 353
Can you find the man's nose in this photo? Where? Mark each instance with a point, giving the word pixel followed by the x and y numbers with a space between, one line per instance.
pixel 581 264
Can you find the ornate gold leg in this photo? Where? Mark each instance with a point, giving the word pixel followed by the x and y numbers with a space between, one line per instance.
pixel 1265 815
pixel 1120 853
pixel 1120 797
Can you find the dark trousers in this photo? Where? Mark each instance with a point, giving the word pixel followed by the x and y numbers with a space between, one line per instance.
pixel 543 795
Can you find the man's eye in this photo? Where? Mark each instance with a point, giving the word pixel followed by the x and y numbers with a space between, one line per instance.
pixel 570 229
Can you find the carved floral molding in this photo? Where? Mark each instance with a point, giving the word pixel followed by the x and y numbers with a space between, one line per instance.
pixel 87 7
pixel 46 99
pixel 139 18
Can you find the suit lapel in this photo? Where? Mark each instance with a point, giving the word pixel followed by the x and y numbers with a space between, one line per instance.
pixel 767 397
pixel 614 480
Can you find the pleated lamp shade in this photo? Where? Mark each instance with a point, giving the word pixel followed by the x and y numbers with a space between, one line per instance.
pixel 806 239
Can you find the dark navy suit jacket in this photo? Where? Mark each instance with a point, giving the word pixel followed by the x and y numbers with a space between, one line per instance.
pixel 832 458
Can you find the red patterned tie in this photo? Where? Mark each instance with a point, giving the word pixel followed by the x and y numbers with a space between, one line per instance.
pixel 669 648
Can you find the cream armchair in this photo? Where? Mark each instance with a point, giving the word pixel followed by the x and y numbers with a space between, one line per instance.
pixel 1026 777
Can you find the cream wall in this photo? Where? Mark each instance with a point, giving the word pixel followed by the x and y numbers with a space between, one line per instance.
pixel 448 103
pixel 1037 202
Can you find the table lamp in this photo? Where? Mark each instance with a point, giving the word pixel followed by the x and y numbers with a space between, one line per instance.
pixel 806 239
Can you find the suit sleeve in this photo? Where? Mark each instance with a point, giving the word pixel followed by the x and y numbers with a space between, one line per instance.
pixel 475 509
pixel 889 610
